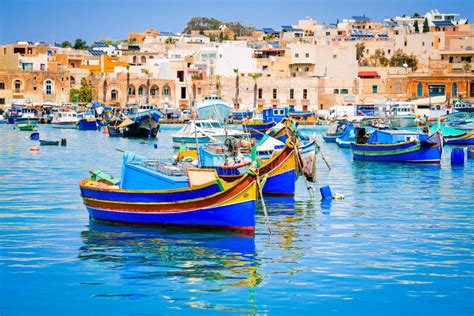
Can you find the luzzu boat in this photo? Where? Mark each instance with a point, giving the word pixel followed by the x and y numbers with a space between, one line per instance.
pixel 335 130
pixel 257 127
pixel 399 146
pixel 207 202
pixel 347 138
pixel 88 121
pixel 26 123
pixel 453 136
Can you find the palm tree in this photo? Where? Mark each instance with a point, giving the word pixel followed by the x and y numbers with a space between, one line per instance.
pixel 128 84
pixel 104 91
pixel 236 101
pixel 255 76
pixel 147 73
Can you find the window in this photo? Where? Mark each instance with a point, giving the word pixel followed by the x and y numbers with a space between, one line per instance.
pixel 306 69
pixel 42 67
pixel 374 88
pixel 336 91
pixel 131 90
pixel 466 59
pixel 143 60
pixel 141 90
pixel 2 100
pixel 48 87
pixel 422 43
pixel 292 94
pixel 264 67
pixel 398 88
pixel 307 55
pixel 297 55
pixel 180 75
pixel 260 93
pixel 154 91
pixel 2 85
pixel 305 94
pixel 274 94
pixel 114 95
pixel 389 52
pixel 166 91
pixel 344 91
pixel 334 56
pixel 437 90
pixel 27 66
pixel 328 33
pixel 183 92
pixel 419 89
pixel 451 59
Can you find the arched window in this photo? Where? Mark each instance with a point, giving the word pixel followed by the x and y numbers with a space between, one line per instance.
pixel 48 87
pixel 141 90
pixel 114 95
pixel 154 91
pixel 151 57
pixel 398 88
pixel 134 59
pixel 72 81
pixel 419 89
pixel 454 90
pixel 143 60
pixel 17 84
pixel 131 90
pixel 166 91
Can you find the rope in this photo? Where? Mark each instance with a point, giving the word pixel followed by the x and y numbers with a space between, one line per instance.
pixel 263 203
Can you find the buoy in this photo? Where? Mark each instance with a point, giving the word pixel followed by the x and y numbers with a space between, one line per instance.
pixel 470 151
pixel 10 148
pixel 34 148
pixel 457 157
pixel 326 193
pixel 144 142
pixel 155 145
pixel 63 142
pixel 34 136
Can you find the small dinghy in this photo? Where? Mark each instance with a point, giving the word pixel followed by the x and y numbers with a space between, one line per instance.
pixel 49 142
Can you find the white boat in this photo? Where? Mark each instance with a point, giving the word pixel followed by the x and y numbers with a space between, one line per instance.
pixel 65 119
pixel 214 108
pixel 204 132
pixel 401 115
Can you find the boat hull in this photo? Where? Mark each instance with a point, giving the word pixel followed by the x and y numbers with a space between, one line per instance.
pixel 401 152
pixel 64 125
pixel 331 138
pixel 88 125
pixel 463 139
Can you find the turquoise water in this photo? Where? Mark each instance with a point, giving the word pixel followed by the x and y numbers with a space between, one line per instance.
pixel 400 243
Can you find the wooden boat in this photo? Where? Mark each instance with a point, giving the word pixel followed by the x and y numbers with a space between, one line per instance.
pixel 256 128
pixel 335 131
pixel 399 146
pixel 454 136
pixel 88 121
pixel 49 142
pixel 212 204
pixel 26 123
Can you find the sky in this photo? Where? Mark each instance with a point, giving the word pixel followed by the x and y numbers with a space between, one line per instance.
pixel 60 20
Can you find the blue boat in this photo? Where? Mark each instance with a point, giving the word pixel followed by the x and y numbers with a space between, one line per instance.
pixel 88 121
pixel 347 138
pixel 214 108
pixel 454 136
pixel 335 131
pixel 399 146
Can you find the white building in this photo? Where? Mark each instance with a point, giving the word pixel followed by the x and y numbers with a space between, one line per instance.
pixel 234 55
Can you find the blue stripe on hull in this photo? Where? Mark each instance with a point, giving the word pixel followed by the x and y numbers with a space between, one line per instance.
pixel 432 155
pixel 85 125
pixel 281 184
pixel 241 215
pixel 331 138
pixel 147 197
pixel 459 141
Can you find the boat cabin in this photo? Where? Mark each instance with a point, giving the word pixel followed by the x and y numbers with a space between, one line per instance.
pixel 394 136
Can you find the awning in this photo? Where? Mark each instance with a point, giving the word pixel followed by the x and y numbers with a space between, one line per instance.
pixel 368 74
pixel 125 123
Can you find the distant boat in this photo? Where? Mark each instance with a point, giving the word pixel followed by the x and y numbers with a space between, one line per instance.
pixel 452 135
pixel 214 108
pixel 402 115
pixel 335 130
pixel 463 106
pixel 347 138
pixel 26 124
pixel 65 119
pixel 88 121
pixel 204 132
pixel 206 202
pixel 399 146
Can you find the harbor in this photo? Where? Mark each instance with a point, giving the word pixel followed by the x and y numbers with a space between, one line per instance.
pixel 408 247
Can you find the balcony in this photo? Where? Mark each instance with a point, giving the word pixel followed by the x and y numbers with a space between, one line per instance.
pixel 291 101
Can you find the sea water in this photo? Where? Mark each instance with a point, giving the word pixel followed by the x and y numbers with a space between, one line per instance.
pixel 400 243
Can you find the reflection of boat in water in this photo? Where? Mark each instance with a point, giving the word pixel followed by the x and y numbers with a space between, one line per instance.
pixel 174 253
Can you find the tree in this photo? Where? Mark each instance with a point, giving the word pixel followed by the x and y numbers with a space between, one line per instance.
pixel 269 37
pixel 255 77
pixel 147 73
pixel 400 58
pixel 128 84
pixel 83 94
pixel 417 28
pixel 66 44
pixel 221 37
pixel 170 40
pixel 80 44
pixel 466 67
pixel 236 101
pixel 104 88
pixel 377 59
pixel 360 50
pixel 416 15
pixel 426 27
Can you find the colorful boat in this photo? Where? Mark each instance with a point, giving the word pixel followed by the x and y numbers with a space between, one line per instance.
pixel 347 138
pixel 454 136
pixel 88 121
pixel 26 124
pixel 399 146
pixel 212 204
pixel 335 130
pixel 256 127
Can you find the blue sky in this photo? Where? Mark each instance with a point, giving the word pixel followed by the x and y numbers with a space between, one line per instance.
pixel 98 19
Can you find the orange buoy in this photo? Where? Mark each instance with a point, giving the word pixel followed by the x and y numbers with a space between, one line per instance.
pixel 34 148
pixel 106 130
